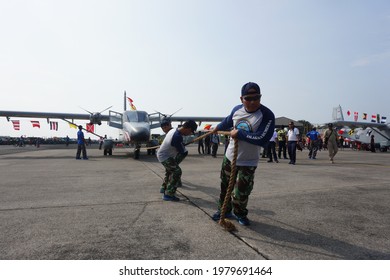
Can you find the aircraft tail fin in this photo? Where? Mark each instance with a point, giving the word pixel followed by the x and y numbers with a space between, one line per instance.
pixel 337 114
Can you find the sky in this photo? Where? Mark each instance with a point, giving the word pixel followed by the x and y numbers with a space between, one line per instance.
pixel 307 56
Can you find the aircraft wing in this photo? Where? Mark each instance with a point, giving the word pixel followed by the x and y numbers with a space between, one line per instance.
pixel 48 115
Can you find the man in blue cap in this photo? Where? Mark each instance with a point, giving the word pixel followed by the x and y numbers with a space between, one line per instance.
pixel 252 125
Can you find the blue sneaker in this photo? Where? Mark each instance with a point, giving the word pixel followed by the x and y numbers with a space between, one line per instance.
pixel 85 158
pixel 244 221
pixel 217 215
pixel 170 198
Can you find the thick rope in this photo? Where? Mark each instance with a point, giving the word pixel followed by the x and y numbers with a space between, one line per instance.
pixel 194 140
pixel 228 225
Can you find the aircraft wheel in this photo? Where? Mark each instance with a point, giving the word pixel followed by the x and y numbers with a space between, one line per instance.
pixel 105 152
pixel 110 152
pixel 136 153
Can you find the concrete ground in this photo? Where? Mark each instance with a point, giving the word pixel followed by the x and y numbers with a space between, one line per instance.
pixel 109 208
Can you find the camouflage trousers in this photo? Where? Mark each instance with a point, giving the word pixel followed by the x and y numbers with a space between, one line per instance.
pixel 242 188
pixel 172 174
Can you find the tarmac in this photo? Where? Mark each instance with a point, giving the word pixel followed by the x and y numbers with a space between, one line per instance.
pixel 54 207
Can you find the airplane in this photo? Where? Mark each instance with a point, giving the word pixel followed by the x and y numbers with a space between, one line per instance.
pixel 134 125
pixel 362 131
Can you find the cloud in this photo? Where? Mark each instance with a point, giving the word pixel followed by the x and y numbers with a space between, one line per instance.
pixel 371 59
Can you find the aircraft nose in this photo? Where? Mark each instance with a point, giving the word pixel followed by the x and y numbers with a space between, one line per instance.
pixel 140 134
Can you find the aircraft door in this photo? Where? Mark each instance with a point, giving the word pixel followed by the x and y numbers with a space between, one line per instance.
pixel 115 119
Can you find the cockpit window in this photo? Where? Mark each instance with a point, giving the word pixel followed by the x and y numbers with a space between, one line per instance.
pixel 137 116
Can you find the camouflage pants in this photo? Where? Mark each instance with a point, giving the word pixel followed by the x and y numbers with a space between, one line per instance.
pixel 172 174
pixel 242 188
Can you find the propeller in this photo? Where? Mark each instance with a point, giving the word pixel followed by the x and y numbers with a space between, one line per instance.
pixel 105 109
pixel 95 112
pixel 167 116
pixel 95 117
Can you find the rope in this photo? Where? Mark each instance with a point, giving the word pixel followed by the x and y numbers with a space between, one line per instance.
pixel 194 140
pixel 207 134
pixel 228 225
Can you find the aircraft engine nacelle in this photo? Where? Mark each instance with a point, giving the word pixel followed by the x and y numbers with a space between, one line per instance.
pixel 95 118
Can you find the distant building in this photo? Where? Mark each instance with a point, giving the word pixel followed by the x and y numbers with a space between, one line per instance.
pixel 283 121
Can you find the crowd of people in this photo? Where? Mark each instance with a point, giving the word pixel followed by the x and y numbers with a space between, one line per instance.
pixel 291 140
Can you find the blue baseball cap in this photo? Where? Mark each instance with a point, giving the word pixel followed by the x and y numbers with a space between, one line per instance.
pixel 250 86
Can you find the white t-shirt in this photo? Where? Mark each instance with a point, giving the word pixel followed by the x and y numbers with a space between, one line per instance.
pixel 292 134
pixel 274 136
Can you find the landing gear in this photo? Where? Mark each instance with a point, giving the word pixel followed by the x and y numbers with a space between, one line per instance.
pixel 152 143
pixel 108 145
pixel 107 152
pixel 137 151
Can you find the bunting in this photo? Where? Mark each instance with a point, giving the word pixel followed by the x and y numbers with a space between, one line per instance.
pixel 16 124
pixel 131 104
pixel 35 124
pixel 90 127
pixel 71 125
pixel 355 116
pixel 375 118
pixel 53 125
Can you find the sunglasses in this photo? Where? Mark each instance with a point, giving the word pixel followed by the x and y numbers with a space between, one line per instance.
pixel 252 98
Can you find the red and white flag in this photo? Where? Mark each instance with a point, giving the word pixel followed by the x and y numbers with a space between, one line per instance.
pixel 16 125
pixel 90 127
pixel 373 118
pixel 341 131
pixel 355 116
pixel 53 125
pixel 35 124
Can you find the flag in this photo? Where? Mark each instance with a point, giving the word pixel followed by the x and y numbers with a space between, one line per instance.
pixel 16 125
pixel 35 124
pixel 384 119
pixel 71 125
pixel 348 113
pixel 131 104
pixel 341 131
pixel 53 125
pixel 90 127
pixel 373 118
pixel 207 127
pixel 351 131
pixel 364 116
pixel 355 116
